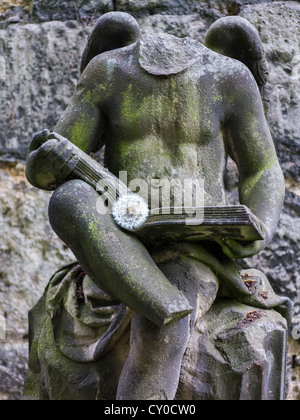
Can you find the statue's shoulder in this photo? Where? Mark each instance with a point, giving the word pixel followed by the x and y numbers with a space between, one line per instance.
pixel 114 58
pixel 227 71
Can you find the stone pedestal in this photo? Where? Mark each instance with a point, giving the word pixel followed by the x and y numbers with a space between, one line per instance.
pixel 236 352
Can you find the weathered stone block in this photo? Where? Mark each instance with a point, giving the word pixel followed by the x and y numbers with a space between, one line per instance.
pixel 42 69
pixel 6 4
pixel 236 353
pixel 282 47
pixel 29 254
pixel 64 10
pixel 178 7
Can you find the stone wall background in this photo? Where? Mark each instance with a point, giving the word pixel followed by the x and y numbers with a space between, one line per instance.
pixel 40 47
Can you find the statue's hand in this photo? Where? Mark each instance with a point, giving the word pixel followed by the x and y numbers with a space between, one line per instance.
pixel 49 161
pixel 240 249
pixel 236 250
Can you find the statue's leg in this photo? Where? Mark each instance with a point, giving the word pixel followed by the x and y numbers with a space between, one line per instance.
pixel 152 369
pixel 115 260
pixel 153 366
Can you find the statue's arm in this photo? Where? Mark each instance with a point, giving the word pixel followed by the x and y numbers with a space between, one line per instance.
pixel 82 123
pixel 261 181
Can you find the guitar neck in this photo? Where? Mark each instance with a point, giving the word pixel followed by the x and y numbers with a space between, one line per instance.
pixel 93 173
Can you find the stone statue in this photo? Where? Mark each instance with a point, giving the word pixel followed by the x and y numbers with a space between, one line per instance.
pixel 130 320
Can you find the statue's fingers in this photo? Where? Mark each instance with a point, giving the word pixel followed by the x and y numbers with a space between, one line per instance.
pixel 56 136
pixel 63 157
pixel 226 249
pixel 39 139
pixel 59 150
pixel 46 148
pixel 70 165
pixel 67 153
pixel 243 250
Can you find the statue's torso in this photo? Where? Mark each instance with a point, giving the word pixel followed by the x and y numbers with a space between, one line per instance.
pixel 166 127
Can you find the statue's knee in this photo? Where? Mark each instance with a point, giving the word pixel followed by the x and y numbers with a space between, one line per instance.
pixel 63 197
pixel 70 201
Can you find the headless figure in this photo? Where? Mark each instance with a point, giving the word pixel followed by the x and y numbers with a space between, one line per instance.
pixel 159 116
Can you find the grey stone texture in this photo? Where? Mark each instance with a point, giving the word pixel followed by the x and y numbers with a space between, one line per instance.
pixel 41 72
pixel 29 254
pixel 241 356
pixel 41 44
pixel 281 260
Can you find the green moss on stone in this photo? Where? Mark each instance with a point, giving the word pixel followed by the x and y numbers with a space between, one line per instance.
pixel 82 131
